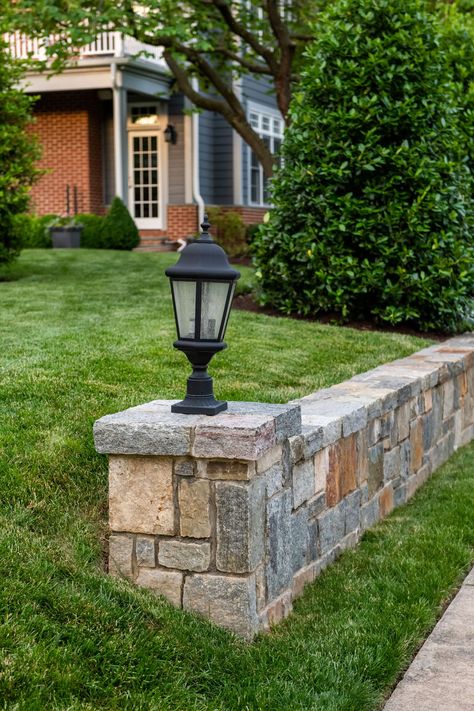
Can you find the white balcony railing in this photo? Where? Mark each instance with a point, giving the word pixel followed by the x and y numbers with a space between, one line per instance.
pixel 112 44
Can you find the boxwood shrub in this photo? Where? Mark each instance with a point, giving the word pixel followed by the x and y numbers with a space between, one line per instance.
pixel 119 231
pixel 373 207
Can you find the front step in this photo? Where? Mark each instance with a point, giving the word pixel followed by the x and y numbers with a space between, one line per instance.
pixel 156 244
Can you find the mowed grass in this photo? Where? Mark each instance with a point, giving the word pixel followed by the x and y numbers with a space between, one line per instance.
pixel 89 333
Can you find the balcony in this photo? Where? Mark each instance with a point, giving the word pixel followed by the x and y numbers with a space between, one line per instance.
pixel 107 44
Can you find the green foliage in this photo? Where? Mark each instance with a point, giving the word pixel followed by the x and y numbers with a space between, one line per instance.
pixel 118 229
pixel 92 228
pixel 229 230
pixel 18 153
pixel 251 231
pixel 373 211
pixel 32 231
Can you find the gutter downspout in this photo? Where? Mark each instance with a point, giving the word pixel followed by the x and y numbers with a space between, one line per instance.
pixel 196 183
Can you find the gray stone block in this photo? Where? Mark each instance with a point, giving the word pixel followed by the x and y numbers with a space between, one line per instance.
pixel 274 479
pixel 184 555
pixel 168 583
pixel 391 464
pixel 313 541
pixel 278 538
pixel 375 478
pixel 240 525
pixel 145 551
pixel 399 495
pixel 331 528
pixel 405 454
pixel 296 445
pixel 370 513
pixel 230 602
pixel 312 440
pixel 303 482
pixel 184 467
pixel 121 562
pixel 354 421
pixel 352 504
pixel 299 538
pixel 316 504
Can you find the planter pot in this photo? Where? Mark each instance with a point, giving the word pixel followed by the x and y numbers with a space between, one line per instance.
pixel 66 237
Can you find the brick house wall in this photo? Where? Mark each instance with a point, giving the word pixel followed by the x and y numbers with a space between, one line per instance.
pixel 68 125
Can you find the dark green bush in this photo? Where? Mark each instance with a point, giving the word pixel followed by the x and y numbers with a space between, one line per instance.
pixel 18 154
pixel 32 231
pixel 251 231
pixel 229 231
pixel 373 207
pixel 119 230
pixel 92 229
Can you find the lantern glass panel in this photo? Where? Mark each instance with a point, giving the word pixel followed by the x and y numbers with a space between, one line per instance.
pixel 213 309
pixel 184 293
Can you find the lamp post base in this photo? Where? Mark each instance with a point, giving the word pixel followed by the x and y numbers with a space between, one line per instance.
pixel 202 406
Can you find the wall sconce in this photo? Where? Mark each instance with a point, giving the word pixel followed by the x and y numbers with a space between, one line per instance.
pixel 170 134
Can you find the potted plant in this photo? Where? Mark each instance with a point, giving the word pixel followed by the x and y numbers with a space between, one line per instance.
pixel 65 232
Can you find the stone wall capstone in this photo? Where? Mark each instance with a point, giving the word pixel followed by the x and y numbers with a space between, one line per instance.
pixel 230 516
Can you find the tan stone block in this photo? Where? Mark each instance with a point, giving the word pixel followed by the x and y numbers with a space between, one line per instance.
pixel 260 587
pixel 194 515
pixel 462 384
pixel 428 395
pixel 121 563
pixel 141 494
pixel 302 578
pixel 348 464
pixel 168 583
pixel 227 470
pixel 321 469
pixel 333 483
pixel 279 609
pixel 269 459
pixel 386 501
pixel 416 445
pixel 403 416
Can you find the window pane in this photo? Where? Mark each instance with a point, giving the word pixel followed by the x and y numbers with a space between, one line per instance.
pixel 255 186
pixel 212 308
pixel 153 143
pixel 185 305
pixel 265 123
pixel 146 211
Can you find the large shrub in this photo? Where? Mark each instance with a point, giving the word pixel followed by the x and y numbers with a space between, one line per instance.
pixel 119 230
pixel 32 231
pixel 18 153
pixel 229 230
pixel 372 204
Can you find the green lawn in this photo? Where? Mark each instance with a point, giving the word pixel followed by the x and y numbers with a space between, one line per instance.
pixel 88 333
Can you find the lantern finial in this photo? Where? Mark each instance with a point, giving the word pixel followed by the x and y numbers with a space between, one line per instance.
pixel 205 236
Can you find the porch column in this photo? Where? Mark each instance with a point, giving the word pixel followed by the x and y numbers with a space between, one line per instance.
pixel 120 135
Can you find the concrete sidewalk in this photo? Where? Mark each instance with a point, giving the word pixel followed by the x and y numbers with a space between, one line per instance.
pixel 441 677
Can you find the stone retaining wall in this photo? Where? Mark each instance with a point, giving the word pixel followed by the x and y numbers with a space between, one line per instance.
pixel 230 516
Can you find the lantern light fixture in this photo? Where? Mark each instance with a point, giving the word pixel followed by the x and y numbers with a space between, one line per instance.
pixel 170 134
pixel 202 287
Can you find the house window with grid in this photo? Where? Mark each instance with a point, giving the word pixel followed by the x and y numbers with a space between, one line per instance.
pixel 269 127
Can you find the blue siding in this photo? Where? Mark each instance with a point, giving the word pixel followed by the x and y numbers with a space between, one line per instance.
pixel 176 166
pixel 215 159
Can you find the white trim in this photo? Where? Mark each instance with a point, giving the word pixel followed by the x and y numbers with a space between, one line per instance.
pixel 271 113
pixel 237 167
pixel 196 182
pixel 120 134
pixel 150 223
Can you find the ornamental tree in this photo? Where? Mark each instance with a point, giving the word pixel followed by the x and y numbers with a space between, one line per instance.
pixel 373 213
pixel 215 41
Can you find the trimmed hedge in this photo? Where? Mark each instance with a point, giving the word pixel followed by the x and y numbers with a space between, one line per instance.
pixel 119 231
pixel 373 204
pixel 32 231
pixel 230 231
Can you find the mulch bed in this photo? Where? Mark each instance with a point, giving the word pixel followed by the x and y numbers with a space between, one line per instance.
pixel 246 302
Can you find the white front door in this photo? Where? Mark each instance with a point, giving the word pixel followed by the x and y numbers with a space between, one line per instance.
pixel 146 178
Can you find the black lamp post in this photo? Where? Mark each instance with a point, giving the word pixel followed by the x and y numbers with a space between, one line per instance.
pixel 202 286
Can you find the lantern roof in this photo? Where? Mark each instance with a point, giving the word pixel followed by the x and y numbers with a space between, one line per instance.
pixel 203 259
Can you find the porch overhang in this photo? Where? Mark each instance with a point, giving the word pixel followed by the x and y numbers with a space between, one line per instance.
pixel 137 75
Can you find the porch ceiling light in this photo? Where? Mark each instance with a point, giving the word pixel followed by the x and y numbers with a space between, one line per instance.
pixel 202 286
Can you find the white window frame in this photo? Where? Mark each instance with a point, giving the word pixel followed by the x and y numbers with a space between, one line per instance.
pixel 262 113
pixel 155 128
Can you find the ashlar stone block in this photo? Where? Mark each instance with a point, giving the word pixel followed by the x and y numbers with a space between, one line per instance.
pixel 226 600
pixel 240 525
pixel 184 555
pixel 194 504
pixel 145 551
pixel 121 562
pixel 168 583
pixel 141 495
pixel 331 528
pixel 375 478
pixel 303 482
pixel 278 540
